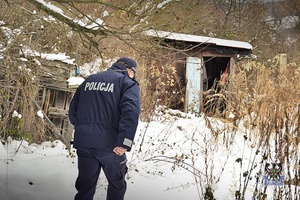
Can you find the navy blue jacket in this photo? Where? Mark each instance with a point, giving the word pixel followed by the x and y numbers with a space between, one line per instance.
pixel 105 110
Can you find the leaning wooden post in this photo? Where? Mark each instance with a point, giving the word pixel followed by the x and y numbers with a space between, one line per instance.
pixel 53 128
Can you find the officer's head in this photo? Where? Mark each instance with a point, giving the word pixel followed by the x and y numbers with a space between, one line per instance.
pixel 130 65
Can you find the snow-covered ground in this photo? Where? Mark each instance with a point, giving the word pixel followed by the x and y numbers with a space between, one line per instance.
pixel 176 156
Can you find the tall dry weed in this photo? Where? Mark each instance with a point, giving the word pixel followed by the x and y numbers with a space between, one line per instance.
pixel 265 98
pixel 19 90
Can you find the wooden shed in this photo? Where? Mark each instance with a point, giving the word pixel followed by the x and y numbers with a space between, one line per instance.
pixel 200 62
pixel 56 94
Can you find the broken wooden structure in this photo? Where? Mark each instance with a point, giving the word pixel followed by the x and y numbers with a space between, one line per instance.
pixel 56 95
pixel 200 62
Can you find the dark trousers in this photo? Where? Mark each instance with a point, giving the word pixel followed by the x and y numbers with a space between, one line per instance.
pixel 90 163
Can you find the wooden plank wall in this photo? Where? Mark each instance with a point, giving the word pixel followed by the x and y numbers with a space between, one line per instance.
pixel 56 106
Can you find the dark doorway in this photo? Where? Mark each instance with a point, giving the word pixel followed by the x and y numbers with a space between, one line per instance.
pixel 215 77
pixel 214 67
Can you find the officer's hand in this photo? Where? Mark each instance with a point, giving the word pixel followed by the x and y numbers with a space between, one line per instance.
pixel 119 150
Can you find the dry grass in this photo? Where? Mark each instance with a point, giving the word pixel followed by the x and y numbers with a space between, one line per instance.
pixel 265 98
pixel 19 89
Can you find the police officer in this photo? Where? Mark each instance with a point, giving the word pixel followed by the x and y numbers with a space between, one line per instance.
pixel 105 111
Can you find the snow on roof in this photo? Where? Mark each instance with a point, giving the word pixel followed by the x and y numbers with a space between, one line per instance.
pixel 48 56
pixel 59 56
pixel 199 39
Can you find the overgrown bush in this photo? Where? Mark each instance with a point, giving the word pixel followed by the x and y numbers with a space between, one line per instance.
pixel 265 99
pixel 18 91
pixel 160 85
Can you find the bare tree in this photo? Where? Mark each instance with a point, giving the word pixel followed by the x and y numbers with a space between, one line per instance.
pixel 88 29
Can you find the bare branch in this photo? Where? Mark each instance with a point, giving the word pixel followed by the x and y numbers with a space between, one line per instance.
pixel 66 20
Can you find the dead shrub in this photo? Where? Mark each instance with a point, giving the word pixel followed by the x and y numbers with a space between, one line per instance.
pixel 264 99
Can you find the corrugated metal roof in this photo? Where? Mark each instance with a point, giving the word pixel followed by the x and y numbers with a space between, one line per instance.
pixel 199 39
